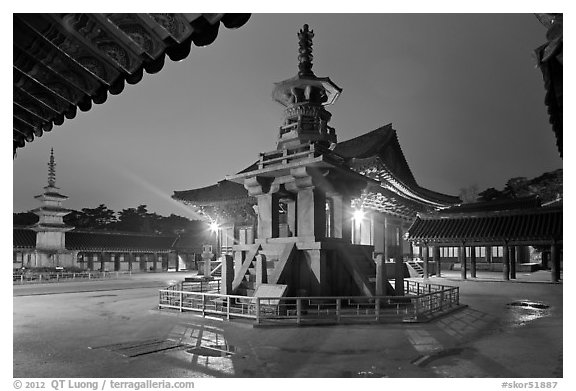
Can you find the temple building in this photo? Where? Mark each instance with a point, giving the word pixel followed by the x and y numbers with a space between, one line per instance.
pixel 515 235
pixel 320 216
pixel 51 243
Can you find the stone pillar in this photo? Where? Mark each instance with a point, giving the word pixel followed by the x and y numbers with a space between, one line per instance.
pixel 311 216
pixel 437 259
pixel 261 270
pixel 268 216
pixel 207 267
pixel 426 261
pixel 337 215
pixel 488 254
pixel 555 258
pixel 381 277
pixel 227 275
pixel 462 258
pixel 506 262
pixel 238 260
pixel 472 261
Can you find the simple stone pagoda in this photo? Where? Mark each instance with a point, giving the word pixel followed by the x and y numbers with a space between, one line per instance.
pixel 50 229
pixel 321 217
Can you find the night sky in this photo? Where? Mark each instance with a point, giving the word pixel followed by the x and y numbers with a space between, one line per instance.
pixel 462 91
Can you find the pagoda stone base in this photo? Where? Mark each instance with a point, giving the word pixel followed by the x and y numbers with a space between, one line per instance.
pixel 324 268
pixel 52 259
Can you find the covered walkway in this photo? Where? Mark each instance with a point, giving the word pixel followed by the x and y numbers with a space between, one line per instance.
pixel 512 229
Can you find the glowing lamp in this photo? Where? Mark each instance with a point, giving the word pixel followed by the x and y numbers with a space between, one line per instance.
pixel 214 226
pixel 359 215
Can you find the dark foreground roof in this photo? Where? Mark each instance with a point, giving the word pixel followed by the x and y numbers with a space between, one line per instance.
pixel 550 61
pixel 65 62
pixel 527 226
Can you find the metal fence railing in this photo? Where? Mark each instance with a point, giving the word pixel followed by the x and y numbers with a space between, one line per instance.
pixel 421 301
pixel 54 277
pixel 197 285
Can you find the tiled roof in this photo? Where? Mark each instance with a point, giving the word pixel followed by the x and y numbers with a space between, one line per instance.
pixel 111 241
pixel 88 240
pixel 66 62
pixel 370 150
pixel 23 238
pixel 382 142
pixel 223 191
pixel 380 151
pixel 537 224
pixel 496 205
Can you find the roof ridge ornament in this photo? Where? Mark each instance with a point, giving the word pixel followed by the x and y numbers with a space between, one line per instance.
pixel 52 170
pixel 305 51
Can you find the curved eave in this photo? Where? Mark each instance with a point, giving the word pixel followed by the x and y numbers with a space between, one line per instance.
pixel 66 62
pixel 223 192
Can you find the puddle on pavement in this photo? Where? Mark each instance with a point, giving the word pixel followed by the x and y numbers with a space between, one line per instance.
pixel 524 311
pixel 213 350
pixel 362 374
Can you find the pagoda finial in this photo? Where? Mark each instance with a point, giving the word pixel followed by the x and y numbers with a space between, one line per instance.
pixel 51 170
pixel 305 51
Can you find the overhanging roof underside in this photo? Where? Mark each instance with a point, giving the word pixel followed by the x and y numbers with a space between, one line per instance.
pixel 65 62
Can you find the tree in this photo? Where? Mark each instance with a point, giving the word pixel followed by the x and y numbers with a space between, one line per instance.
pixel 469 194
pixel 94 218
pixel 491 194
pixel 24 218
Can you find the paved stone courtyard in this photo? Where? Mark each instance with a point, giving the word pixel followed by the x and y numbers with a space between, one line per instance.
pixel 113 329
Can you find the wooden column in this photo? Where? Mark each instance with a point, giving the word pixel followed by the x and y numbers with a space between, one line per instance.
pixel 386 240
pixel 426 261
pixel 436 258
pixel 506 263
pixel 545 258
pixel 399 276
pixel 462 257
pixel 555 258
pixel 488 254
pixel 472 261
pixel 513 255
pixel 227 275
pixel 399 281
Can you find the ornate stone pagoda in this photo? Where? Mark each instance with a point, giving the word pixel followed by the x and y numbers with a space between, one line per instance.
pixel 322 211
pixel 50 229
